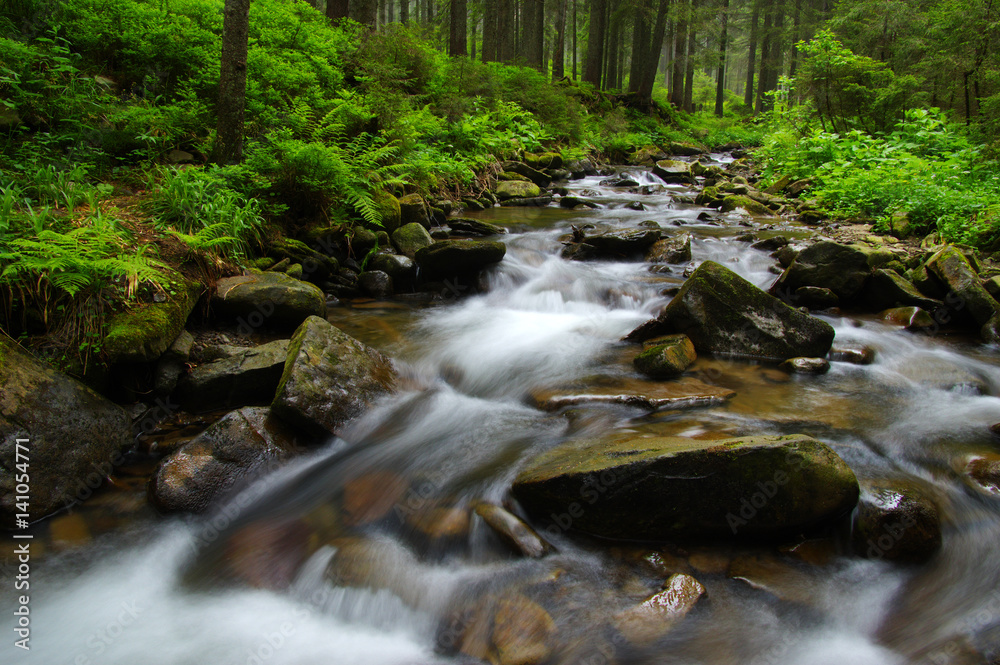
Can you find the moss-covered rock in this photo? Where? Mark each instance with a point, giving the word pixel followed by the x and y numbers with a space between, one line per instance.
pixel 667 487
pixel 724 314
pixel 887 289
pixel 546 160
pixel 673 172
pixel 709 197
pixel 455 257
pixel 247 378
pixel 734 201
pixel 143 332
pixel 413 209
pixel 388 209
pixel 532 174
pixel 954 270
pixel 269 300
pixel 675 249
pixel 666 357
pixel 316 266
pixel 410 238
pixel 841 268
pixel 329 378
pixel 74 436
pixel 615 245
pixel 510 175
pixel 474 228
pixel 517 189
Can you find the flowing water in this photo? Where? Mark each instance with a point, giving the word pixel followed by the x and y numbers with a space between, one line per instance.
pixel 252 584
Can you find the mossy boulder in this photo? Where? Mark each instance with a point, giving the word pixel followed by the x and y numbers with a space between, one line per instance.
pixel 389 211
pixel 666 357
pixel 247 378
pixel 734 201
pixel 896 520
pixel 517 189
pixel 829 265
pixel 675 249
pixel 413 209
pixel 315 265
pixel 546 160
pixel 329 378
pixel 887 289
pixel 242 443
pixel 724 314
pixel 709 197
pixel 474 228
pixel 953 269
pixel 685 149
pixel 662 488
pixel 269 300
pixel 673 172
pixel 410 238
pixel 614 245
pixel 74 436
pixel 143 332
pixel 532 174
pixel 510 175
pixel 456 257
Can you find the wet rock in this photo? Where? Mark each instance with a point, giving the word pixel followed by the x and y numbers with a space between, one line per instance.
pixel 656 616
pixel 574 201
pixel 376 284
pixel 635 205
pixel 666 487
pixel 144 332
pixel 269 300
pixel 329 378
pixel 402 269
pixel 315 265
pixel 841 268
pixel 815 297
pixel 786 255
pixel 437 524
pixel 474 205
pixel 896 520
pixel 620 244
pixel 534 175
pixel 446 258
pixel 685 149
pixel 680 394
pixel 75 434
pixel 908 318
pixel 856 354
pixel 940 374
pixel 724 314
pixel 736 201
pixel 665 357
pixel 517 189
pixel 249 377
pixel 887 289
pixel 780 578
pixel 372 496
pixel 242 443
pixel 984 471
pixel 535 202
pixel 267 554
pixel 806 365
pixel 953 269
pixel 170 366
pixel 771 244
pixel 475 228
pixel 414 210
pixel 410 238
pixel 674 172
pixel 513 531
pixel 675 249
pixel 621 181
pixel 523 632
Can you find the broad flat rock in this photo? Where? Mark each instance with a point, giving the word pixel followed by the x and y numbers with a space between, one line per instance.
pixel 683 393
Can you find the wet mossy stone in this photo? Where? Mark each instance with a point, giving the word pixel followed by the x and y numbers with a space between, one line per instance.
pixel 724 314
pixel 247 378
pixel 887 289
pixel 673 172
pixel 951 266
pixel 410 238
pixel 329 378
pixel 475 228
pixel 666 357
pixel 532 174
pixel 517 189
pixel 546 160
pixel 272 301
pixel 896 520
pixel 841 268
pixel 662 488
pixel 455 257
pixel 75 436
pixel 413 209
pixel 388 210
pixel 734 201
pixel 143 332
pixel 675 249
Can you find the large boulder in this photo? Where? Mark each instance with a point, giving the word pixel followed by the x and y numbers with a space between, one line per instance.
pixel 455 257
pixel 269 300
pixel 887 289
pixel 143 332
pixel 724 314
pixel 410 238
pixel 661 488
pixel 675 249
pixel 968 295
pixel 532 174
pixel 674 172
pixel 517 189
pixel 388 210
pixel 613 245
pixel 841 268
pixel 474 228
pixel 247 378
pixel 70 436
pixel 240 444
pixel 414 210
pixel 329 378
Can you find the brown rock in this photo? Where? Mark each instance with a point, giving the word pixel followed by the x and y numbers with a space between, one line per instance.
pixel 647 622
pixel 513 530
pixel 683 393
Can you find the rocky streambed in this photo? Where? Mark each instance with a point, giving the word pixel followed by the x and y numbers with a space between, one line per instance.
pixel 641 416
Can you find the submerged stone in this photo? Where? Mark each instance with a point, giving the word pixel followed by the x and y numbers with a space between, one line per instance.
pixel 680 394
pixel 666 357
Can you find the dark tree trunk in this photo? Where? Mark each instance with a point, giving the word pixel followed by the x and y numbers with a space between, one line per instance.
pixel 611 56
pixel 689 70
pixel 404 11
pixel 765 60
pixel 796 32
pixel 653 53
pixel 336 9
pixel 720 82
pixel 752 55
pixel 679 69
pixel 534 33
pixel 595 43
pixel 365 12
pixel 640 44
pixel 458 44
pixel 559 50
pixel 507 29
pixel 575 50
pixel 391 10
pixel 491 32
pixel 473 37
pixel 232 83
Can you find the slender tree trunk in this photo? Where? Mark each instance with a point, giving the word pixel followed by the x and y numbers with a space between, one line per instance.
pixel 458 43
pixel 534 34
pixel 391 10
pixel 752 55
pixel 595 44
pixel 796 36
pixel 689 69
pixel 491 32
pixel 640 44
pixel 611 56
pixel 575 49
pixel 337 9
pixel 680 46
pixel 652 60
pixel 765 60
pixel 559 50
pixel 720 79
pixel 473 38
pixel 404 11
pixel 507 28
pixel 232 83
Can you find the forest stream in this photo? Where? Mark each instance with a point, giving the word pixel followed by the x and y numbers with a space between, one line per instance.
pixel 369 550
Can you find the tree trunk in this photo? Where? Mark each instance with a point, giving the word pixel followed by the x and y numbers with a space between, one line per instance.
pixel 765 60
pixel 391 10
pixel 720 81
pixel 404 11
pixel 679 70
pixel 232 83
pixel 575 50
pixel 559 50
pixel 652 60
pixel 507 29
pixel 689 70
pixel 473 37
pixel 365 12
pixel 458 44
pixel 337 9
pixel 491 32
pixel 611 55
pixel 534 33
pixel 752 55
pixel 595 44
pixel 640 44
